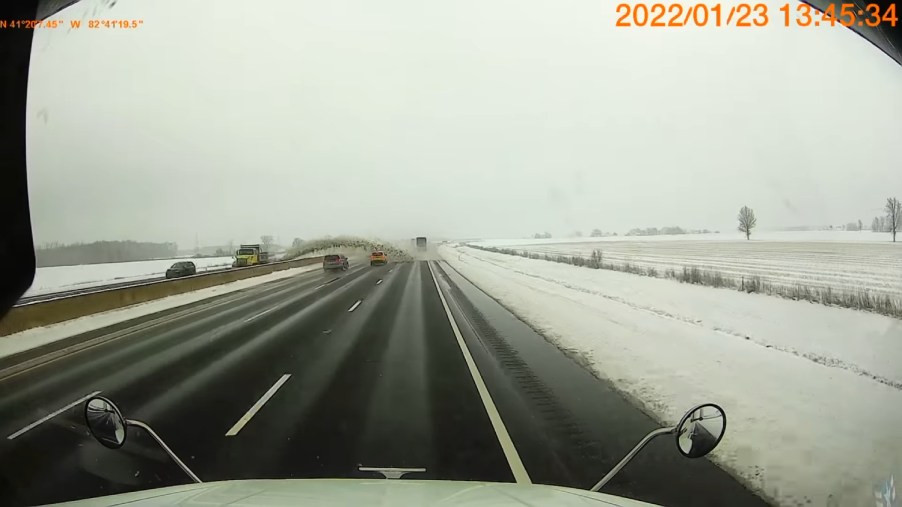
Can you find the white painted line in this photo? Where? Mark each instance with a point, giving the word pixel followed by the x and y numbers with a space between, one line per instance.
pixel 507 445
pixel 390 270
pixel 257 406
pixel 51 416
pixel 351 309
pixel 264 312
pixel 379 281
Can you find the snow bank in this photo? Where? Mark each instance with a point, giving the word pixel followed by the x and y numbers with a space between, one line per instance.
pixel 31 338
pixel 60 278
pixel 813 394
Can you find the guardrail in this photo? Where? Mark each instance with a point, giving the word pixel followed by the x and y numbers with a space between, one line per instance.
pixel 44 313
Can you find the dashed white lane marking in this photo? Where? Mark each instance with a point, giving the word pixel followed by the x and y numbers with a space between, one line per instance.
pixel 351 309
pixel 264 312
pixel 390 270
pixel 507 445
pixel 320 286
pixel 378 281
pixel 52 415
pixel 257 406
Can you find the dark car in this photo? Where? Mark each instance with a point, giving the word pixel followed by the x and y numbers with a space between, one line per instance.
pixel 183 268
pixel 335 261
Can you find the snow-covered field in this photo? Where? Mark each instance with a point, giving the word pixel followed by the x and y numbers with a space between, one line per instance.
pixel 791 236
pixel 813 394
pixel 838 260
pixel 61 278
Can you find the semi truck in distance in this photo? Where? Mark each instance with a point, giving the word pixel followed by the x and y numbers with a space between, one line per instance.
pixel 250 255
pixel 421 244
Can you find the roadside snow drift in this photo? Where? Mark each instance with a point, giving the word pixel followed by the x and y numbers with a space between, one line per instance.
pixel 813 394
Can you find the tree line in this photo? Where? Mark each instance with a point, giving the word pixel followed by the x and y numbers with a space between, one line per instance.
pixel 98 252
pixel 665 231
pixel 890 221
pixel 648 231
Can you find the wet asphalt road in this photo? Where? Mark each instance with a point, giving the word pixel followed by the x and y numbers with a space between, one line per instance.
pixel 364 369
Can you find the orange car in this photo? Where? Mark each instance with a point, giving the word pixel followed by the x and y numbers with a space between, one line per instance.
pixel 378 257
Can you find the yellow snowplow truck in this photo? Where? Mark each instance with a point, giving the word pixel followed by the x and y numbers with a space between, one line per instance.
pixel 250 255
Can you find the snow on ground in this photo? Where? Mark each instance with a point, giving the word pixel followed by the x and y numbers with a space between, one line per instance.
pixel 790 236
pixel 61 278
pixel 813 394
pixel 818 259
pixel 31 338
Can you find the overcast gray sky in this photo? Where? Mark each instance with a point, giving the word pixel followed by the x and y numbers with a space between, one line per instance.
pixel 456 118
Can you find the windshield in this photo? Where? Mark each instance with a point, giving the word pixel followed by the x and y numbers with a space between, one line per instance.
pixel 560 226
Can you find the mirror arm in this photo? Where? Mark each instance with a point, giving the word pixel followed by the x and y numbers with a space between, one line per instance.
pixel 165 447
pixel 626 459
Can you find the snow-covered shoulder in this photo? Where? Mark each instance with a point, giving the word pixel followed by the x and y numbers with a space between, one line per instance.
pixel 813 393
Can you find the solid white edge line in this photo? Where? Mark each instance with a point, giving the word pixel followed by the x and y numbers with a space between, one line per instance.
pixel 507 445
pixel 351 309
pixel 51 416
pixel 264 312
pixel 257 406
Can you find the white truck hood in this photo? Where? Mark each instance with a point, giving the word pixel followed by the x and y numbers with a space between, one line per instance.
pixel 370 492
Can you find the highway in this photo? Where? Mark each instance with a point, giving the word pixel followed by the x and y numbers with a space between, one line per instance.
pixel 46 296
pixel 37 298
pixel 323 373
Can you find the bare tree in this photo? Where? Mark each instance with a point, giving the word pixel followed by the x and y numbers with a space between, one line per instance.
pixel 747 221
pixel 875 225
pixel 267 241
pixel 297 243
pixel 596 233
pixel 860 225
pixel 893 216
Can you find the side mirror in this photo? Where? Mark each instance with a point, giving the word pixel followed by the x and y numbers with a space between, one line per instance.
pixel 107 426
pixel 105 422
pixel 697 434
pixel 700 430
